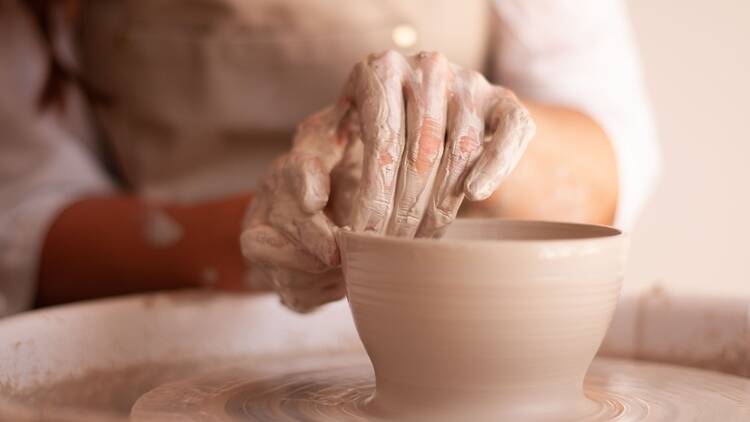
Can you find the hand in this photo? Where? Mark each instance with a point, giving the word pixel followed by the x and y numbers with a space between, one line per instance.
pixel 433 133
pixel 406 112
pixel 290 229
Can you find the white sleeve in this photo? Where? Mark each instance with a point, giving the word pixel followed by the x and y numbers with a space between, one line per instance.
pixel 43 165
pixel 581 53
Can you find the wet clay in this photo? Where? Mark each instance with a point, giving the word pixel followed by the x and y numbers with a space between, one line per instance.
pixel 433 133
pixel 288 235
pixel 340 387
pixel 500 319
pixel 396 154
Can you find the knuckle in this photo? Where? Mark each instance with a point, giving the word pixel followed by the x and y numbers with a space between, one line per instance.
pixel 469 91
pixel 443 216
pixel 520 117
pixel 504 94
pixel 479 85
pixel 308 162
pixel 515 115
pixel 426 154
pixel 432 58
pixel 408 216
pixel 387 57
pixel 458 157
pixel 301 165
pixel 465 144
pixel 385 154
pixel 377 207
pixel 474 79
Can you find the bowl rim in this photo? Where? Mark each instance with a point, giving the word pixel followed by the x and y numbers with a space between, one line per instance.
pixel 612 234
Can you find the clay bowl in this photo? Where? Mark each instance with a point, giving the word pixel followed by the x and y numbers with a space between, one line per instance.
pixel 499 320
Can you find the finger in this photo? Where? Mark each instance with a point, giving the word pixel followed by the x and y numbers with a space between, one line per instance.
pixel 426 103
pixel 317 235
pixel 259 278
pixel 258 210
pixel 345 179
pixel 512 129
pixel 313 233
pixel 310 290
pixel 296 188
pixel 465 132
pixel 376 88
pixel 323 134
pixel 319 145
pixel 289 280
pixel 265 245
pixel 307 302
pixel 308 180
pixel 335 290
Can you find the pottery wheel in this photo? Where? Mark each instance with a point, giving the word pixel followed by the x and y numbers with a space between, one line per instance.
pixel 336 386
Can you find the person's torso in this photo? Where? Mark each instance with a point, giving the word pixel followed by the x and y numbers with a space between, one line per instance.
pixel 202 94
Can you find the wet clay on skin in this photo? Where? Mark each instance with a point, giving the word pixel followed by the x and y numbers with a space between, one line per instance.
pixel 408 140
pixel 433 133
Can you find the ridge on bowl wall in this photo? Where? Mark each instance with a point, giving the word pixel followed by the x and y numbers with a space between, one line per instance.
pixel 499 319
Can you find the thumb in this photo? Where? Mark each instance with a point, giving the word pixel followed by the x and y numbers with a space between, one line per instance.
pixel 319 145
pixel 311 182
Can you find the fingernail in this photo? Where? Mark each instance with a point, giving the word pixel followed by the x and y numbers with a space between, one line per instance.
pixel 478 190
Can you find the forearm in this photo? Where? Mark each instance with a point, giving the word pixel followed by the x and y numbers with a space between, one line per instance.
pixel 568 173
pixel 113 245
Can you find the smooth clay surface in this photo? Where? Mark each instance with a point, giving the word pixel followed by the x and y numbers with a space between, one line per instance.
pixel 499 320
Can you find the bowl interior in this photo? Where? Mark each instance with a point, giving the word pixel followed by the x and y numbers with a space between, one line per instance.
pixel 496 229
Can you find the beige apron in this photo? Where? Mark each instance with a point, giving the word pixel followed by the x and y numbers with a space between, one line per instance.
pixel 200 95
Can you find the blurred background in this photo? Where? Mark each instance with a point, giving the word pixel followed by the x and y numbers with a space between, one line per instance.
pixel 694 233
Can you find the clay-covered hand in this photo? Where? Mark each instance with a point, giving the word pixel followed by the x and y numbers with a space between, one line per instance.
pixel 433 134
pixel 289 233
pixel 397 154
